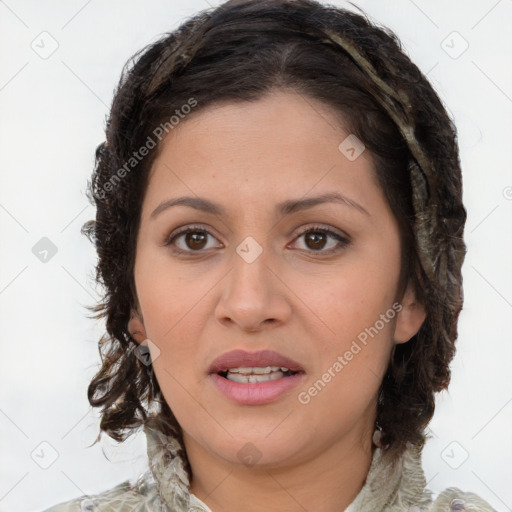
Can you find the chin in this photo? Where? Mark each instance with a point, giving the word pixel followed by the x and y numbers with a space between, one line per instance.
pixel 256 450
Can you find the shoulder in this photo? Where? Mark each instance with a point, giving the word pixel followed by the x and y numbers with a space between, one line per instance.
pixel 453 499
pixel 141 496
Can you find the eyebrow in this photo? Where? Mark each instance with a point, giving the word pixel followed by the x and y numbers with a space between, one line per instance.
pixel 285 208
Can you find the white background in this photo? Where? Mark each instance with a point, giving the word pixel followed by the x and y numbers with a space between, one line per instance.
pixel 52 118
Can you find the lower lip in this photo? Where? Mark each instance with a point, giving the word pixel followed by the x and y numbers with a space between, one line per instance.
pixel 255 393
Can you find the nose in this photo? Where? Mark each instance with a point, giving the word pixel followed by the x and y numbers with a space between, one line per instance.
pixel 253 296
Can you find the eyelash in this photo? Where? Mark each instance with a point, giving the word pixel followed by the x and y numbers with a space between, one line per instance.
pixel 343 241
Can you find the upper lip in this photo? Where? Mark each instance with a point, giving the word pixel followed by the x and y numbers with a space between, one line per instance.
pixel 236 358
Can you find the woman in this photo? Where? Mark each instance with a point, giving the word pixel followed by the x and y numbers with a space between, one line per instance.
pixel 280 236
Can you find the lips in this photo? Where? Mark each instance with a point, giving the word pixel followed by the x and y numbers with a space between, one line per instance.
pixel 241 358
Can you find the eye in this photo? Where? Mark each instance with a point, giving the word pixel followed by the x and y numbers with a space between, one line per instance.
pixel 316 238
pixel 191 238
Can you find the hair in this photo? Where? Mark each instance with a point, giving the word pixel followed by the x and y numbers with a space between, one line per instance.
pixel 242 51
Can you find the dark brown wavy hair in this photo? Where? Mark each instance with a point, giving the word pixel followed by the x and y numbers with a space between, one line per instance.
pixel 242 51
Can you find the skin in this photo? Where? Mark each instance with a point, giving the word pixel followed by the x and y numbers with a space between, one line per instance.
pixel 294 298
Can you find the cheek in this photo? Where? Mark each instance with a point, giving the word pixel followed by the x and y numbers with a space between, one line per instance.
pixel 351 297
pixel 351 358
pixel 353 317
pixel 175 326
pixel 167 299
pixel 173 311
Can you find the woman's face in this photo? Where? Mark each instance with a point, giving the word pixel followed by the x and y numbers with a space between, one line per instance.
pixel 269 266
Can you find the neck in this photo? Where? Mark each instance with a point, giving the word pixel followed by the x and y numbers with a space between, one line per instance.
pixel 329 482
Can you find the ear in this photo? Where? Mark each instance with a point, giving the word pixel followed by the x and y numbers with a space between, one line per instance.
pixel 136 327
pixel 410 318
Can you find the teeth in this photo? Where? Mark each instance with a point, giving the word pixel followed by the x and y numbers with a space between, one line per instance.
pixel 247 379
pixel 253 374
pixel 258 370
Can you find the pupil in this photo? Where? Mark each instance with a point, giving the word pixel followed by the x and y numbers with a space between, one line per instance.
pixel 314 237
pixel 195 240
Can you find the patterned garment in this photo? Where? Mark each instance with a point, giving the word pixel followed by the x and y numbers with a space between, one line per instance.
pixel 165 487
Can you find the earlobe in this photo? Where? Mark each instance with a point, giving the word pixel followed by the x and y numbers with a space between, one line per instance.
pixel 136 327
pixel 410 318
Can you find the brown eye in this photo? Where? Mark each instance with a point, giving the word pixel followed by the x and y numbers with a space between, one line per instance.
pixel 315 240
pixel 189 240
pixel 195 240
pixel 322 240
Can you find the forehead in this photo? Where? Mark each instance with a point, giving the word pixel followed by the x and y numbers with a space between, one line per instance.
pixel 283 145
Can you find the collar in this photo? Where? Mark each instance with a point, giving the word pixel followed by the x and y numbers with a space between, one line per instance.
pixel 392 484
